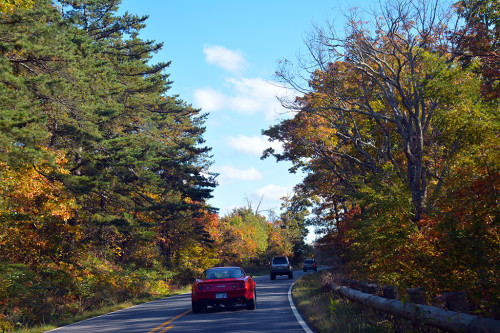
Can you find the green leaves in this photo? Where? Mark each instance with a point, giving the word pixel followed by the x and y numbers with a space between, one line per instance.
pixel 397 134
pixel 86 122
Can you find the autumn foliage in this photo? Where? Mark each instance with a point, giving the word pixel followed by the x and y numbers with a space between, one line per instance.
pixel 105 182
pixel 398 131
pixel 104 179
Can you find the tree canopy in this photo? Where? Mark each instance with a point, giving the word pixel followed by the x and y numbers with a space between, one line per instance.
pixel 397 123
pixel 100 166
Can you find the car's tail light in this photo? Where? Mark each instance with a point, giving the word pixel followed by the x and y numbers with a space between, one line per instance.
pixel 200 288
pixel 288 266
pixel 242 285
pixel 207 288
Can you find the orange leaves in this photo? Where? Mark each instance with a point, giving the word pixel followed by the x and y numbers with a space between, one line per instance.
pixel 26 191
pixel 242 236
pixel 278 243
pixel 210 222
pixel 35 212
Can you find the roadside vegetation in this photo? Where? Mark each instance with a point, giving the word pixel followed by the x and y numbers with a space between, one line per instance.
pixel 98 312
pixel 326 311
pixel 105 179
pixel 397 128
pixel 104 175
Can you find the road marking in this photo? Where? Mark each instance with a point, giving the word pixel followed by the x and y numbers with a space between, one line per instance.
pixel 167 328
pixel 168 322
pixel 296 313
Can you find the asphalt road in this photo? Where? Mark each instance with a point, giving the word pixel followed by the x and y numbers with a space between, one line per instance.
pixel 173 314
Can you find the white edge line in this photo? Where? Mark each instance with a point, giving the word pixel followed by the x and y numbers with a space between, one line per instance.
pixel 296 313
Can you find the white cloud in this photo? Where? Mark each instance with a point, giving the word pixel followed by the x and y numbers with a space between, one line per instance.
pixel 232 61
pixel 209 99
pixel 273 193
pixel 247 96
pixel 228 174
pixel 253 145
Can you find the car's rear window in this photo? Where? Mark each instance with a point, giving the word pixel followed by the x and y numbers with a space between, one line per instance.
pixel 280 261
pixel 309 261
pixel 222 273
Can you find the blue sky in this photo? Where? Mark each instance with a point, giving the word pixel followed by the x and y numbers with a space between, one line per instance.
pixel 224 55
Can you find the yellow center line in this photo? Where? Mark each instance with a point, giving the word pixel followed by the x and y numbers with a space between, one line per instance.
pixel 167 328
pixel 168 322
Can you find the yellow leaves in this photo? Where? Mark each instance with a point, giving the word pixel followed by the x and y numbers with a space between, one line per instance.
pixel 36 211
pixel 8 6
pixel 27 191
pixel 161 287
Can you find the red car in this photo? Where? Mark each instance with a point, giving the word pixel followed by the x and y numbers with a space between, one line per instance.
pixel 228 286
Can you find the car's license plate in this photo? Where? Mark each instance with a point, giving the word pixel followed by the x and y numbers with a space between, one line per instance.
pixel 220 295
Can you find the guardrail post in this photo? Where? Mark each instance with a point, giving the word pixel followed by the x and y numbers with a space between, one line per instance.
pixel 372 288
pixel 457 301
pixel 389 292
pixel 416 295
pixel 353 284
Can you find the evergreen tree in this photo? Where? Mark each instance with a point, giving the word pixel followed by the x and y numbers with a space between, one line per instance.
pixel 77 79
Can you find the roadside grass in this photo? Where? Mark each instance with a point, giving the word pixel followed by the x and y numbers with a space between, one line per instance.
pixel 325 312
pixel 100 311
pixel 255 270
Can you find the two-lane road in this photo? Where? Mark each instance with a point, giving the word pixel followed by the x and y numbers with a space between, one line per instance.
pixel 173 314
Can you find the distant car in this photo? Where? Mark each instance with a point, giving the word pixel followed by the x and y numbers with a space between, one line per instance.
pixel 309 264
pixel 227 286
pixel 280 265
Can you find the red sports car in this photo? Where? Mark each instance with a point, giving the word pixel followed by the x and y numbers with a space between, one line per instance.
pixel 226 286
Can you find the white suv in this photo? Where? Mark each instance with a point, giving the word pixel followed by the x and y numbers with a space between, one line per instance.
pixel 280 266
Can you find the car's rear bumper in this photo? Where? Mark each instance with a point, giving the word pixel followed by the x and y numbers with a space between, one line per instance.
pixel 228 301
pixel 209 297
pixel 280 272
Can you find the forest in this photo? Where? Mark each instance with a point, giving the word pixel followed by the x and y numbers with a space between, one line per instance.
pixel 397 126
pixel 105 175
